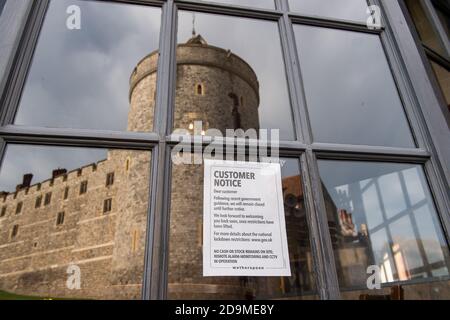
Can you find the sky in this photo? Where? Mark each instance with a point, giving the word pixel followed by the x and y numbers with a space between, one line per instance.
pixel 80 78
pixel 374 188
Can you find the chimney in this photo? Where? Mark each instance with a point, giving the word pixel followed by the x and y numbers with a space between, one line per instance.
pixel 58 172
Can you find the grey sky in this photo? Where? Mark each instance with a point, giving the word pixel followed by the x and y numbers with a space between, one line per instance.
pixel 41 161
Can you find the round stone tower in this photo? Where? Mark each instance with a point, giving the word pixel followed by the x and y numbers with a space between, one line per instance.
pixel 213 85
pixel 220 89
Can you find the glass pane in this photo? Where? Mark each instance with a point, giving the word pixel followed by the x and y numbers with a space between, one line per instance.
pixel 73 222
pixel 383 216
pixel 341 9
pixel 186 279
pixel 229 77
pixel 265 4
pixel 445 20
pixel 350 92
pixel 80 78
pixel 443 78
pixel 425 29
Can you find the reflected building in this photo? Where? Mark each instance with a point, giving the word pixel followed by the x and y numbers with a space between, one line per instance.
pixel 95 217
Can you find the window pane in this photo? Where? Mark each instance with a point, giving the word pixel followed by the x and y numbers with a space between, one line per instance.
pixel 230 77
pixel 341 9
pixel 265 4
pixel 186 279
pixel 81 78
pixel 44 248
pixel 425 29
pixel 383 215
pixel 445 19
pixel 350 92
pixel 443 78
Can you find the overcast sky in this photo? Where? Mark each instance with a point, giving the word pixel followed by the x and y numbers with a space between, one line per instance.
pixel 80 78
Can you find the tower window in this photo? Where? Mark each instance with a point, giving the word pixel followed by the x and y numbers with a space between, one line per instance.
pixel 66 193
pixel 47 199
pixel 83 187
pixel 110 179
pixel 60 218
pixel 199 89
pixel 15 231
pixel 107 205
pixel 19 207
pixel 38 202
pixel 3 212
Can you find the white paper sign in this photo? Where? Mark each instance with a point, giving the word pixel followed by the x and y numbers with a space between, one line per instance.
pixel 244 230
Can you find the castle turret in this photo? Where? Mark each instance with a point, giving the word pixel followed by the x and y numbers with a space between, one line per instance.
pixel 220 89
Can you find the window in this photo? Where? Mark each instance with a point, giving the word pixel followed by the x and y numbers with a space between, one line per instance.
pixel 83 187
pixel 431 21
pixel 383 215
pixel 185 273
pixel 75 228
pixel 60 218
pixel 38 202
pixel 15 231
pixel 362 157
pixel 345 95
pixel 110 179
pixel 199 89
pixel 121 47
pixel 66 193
pixel 220 56
pixel 3 212
pixel 19 207
pixel 47 199
pixel 342 9
pixel 107 205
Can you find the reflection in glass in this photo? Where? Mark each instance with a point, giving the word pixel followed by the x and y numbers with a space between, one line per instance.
pixel 425 29
pixel 186 279
pixel 266 4
pixel 350 92
pixel 443 78
pixel 2 5
pixel 229 77
pixel 341 9
pixel 444 18
pixel 58 229
pixel 80 78
pixel 383 215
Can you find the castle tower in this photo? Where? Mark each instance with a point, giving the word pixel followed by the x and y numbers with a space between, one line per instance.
pixel 220 89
